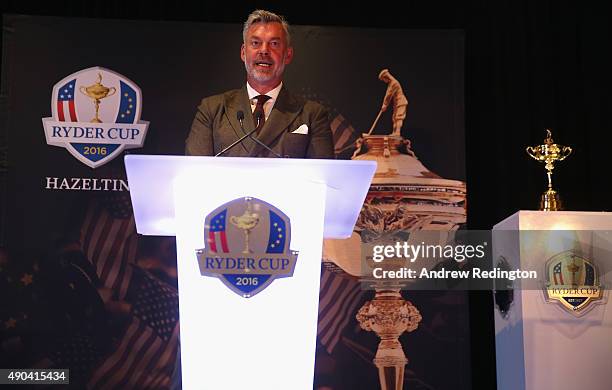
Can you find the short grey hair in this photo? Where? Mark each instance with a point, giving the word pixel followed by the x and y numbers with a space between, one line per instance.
pixel 263 16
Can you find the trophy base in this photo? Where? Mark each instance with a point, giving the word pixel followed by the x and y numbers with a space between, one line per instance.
pixel 551 201
pixel 391 377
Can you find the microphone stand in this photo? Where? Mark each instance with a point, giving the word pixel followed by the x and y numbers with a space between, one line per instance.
pixel 239 140
pixel 240 117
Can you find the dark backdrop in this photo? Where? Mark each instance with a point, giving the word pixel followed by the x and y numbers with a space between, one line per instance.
pixel 176 63
pixel 529 65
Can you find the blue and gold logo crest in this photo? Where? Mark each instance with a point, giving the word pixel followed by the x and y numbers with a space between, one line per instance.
pixel 573 282
pixel 95 116
pixel 247 246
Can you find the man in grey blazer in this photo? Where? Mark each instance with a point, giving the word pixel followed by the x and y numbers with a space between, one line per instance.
pixel 288 124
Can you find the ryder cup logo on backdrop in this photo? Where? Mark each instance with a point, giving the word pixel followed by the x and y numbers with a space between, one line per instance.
pixel 247 246
pixel 96 115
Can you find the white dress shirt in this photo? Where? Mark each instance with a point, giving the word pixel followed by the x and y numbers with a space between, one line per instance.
pixel 269 103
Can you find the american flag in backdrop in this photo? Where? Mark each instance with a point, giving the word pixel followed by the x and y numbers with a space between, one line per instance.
pixel 340 294
pixel 65 102
pixel 78 352
pixel 339 299
pixel 344 135
pixel 146 355
pixel 146 352
pixel 343 132
pixel 109 240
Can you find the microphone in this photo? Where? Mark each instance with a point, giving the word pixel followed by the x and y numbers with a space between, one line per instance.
pixel 240 117
pixel 258 117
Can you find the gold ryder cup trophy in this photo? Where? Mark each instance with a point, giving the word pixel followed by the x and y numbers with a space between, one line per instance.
pixel 98 92
pixel 548 153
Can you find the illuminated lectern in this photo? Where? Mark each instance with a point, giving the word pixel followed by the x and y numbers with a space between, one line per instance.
pixel 246 341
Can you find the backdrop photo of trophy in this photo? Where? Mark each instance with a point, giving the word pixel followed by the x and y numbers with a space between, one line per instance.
pixel 405 197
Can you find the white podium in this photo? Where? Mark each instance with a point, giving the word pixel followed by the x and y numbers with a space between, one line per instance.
pixel 539 344
pixel 266 341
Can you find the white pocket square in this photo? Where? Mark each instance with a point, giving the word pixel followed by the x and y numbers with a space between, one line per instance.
pixel 301 130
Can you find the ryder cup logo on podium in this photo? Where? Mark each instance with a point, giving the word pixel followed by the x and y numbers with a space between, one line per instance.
pixel 573 282
pixel 96 115
pixel 247 246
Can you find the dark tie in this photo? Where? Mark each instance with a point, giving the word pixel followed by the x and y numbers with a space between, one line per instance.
pixel 259 111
